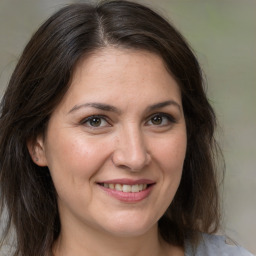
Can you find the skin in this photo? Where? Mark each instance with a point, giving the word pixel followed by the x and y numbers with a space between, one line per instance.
pixel 130 140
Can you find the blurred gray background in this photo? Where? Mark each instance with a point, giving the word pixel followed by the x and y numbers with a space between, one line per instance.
pixel 223 35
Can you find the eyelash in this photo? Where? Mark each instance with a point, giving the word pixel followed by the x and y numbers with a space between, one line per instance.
pixel 169 118
pixel 90 118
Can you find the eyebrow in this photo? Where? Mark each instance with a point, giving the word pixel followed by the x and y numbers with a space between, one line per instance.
pixel 164 104
pixel 100 106
pixel 110 108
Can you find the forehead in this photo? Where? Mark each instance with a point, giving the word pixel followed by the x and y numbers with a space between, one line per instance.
pixel 111 73
pixel 110 59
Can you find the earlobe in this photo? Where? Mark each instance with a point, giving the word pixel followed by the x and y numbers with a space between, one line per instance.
pixel 37 151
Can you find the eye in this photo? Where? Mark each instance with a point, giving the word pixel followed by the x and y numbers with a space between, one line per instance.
pixel 95 122
pixel 161 119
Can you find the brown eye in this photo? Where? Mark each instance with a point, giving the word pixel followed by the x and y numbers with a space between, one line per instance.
pixel 157 120
pixel 161 119
pixel 95 122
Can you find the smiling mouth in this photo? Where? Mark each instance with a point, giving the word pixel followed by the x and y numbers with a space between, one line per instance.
pixel 125 187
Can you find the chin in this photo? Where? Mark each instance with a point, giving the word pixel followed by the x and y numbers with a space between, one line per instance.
pixel 130 232
pixel 131 227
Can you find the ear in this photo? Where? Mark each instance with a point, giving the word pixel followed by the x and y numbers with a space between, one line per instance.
pixel 37 151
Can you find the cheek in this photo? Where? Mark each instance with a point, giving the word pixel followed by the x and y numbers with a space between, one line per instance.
pixel 74 158
pixel 171 157
pixel 171 153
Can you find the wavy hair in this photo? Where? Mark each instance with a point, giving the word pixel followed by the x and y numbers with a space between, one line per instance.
pixel 41 79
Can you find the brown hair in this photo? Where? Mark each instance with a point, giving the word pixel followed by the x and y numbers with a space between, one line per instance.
pixel 41 79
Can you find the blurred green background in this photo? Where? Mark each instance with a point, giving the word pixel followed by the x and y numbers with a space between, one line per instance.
pixel 223 35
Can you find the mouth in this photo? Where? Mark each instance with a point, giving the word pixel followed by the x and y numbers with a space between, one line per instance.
pixel 126 188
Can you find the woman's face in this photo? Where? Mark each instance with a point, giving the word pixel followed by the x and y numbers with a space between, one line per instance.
pixel 116 143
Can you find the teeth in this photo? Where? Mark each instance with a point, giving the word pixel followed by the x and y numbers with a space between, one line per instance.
pixel 135 188
pixel 126 188
pixel 118 187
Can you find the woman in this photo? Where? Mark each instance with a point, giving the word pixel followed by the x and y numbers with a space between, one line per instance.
pixel 107 140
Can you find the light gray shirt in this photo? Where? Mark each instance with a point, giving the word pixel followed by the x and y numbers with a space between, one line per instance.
pixel 216 245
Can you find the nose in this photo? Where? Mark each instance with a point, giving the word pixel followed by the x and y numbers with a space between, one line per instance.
pixel 131 150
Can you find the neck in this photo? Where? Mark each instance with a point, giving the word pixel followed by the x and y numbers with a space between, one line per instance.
pixel 94 242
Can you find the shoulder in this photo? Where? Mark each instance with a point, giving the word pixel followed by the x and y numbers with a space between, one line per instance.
pixel 215 245
pixel 7 250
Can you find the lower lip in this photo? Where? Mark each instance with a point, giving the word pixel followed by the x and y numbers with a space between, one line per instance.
pixel 128 196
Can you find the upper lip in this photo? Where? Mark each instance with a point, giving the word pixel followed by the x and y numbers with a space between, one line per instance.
pixel 128 181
